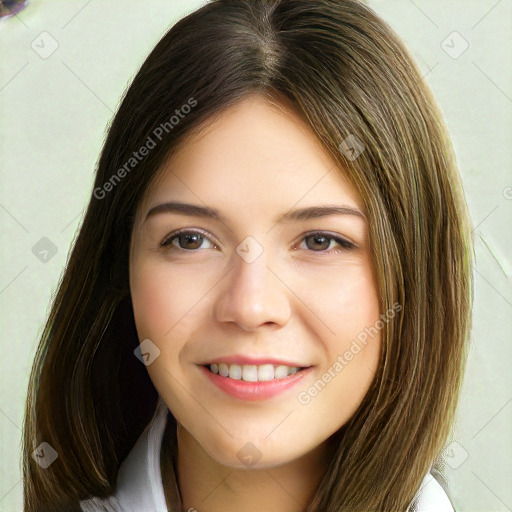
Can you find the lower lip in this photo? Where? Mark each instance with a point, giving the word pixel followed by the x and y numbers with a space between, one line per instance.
pixel 255 390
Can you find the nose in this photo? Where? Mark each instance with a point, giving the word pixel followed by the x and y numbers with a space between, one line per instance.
pixel 253 296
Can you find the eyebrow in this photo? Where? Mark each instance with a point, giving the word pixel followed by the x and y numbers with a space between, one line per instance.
pixel 312 212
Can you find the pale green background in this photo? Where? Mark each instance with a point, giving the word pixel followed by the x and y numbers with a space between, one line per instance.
pixel 54 112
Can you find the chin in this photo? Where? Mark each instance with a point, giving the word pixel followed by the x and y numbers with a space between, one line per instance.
pixel 255 454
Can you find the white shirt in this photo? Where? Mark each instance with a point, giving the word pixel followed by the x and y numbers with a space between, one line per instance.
pixel 139 481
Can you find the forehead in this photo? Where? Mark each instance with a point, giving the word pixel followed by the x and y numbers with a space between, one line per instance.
pixel 256 155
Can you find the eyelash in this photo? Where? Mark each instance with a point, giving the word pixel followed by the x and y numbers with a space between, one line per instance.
pixel 345 244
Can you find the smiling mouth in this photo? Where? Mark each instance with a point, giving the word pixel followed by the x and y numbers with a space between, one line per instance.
pixel 253 373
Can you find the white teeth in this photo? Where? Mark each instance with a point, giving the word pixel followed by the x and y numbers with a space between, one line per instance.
pixel 249 372
pixel 265 372
pixel 235 372
pixel 281 371
pixel 253 373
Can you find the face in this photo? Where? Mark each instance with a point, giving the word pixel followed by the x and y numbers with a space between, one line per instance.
pixel 256 316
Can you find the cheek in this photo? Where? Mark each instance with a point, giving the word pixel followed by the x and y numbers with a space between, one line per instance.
pixel 353 343
pixel 351 358
pixel 152 305
pixel 348 304
pixel 166 307
pixel 162 298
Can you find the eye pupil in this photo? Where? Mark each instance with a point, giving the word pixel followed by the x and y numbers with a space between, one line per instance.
pixel 323 241
pixel 187 237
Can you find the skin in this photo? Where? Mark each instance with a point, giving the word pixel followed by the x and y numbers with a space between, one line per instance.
pixel 303 299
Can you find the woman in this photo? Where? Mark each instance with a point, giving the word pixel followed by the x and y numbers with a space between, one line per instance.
pixel 306 351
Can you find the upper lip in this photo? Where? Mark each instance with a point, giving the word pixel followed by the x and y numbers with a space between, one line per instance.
pixel 245 360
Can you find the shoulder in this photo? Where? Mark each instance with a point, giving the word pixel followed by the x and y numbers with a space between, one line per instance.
pixel 431 497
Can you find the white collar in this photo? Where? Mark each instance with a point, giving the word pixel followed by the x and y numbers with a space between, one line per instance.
pixel 139 481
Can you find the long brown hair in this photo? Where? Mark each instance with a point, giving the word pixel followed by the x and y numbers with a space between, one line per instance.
pixel 341 68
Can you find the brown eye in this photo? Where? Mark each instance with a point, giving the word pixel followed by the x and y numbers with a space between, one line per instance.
pixel 320 242
pixel 185 240
pixel 192 241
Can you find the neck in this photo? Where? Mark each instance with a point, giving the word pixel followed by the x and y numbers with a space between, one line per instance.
pixel 207 486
